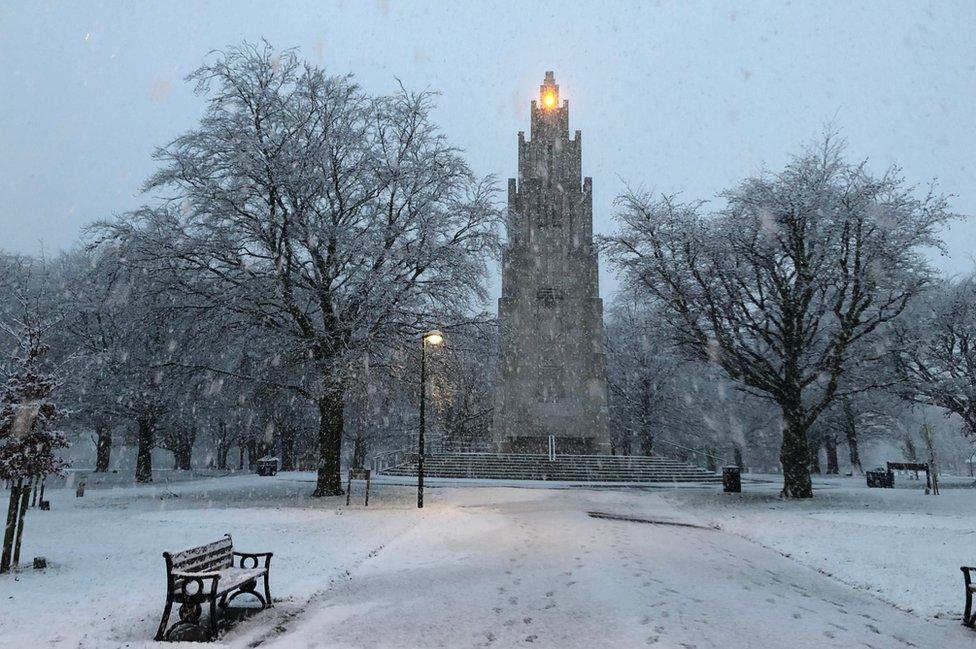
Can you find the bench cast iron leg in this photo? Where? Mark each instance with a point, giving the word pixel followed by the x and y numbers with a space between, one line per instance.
pixel 213 617
pixel 967 617
pixel 267 591
pixel 161 633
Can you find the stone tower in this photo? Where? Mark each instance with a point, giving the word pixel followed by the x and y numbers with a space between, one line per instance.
pixel 551 371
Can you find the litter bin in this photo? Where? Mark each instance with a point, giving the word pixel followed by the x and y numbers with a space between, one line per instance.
pixel 731 479
pixel 268 466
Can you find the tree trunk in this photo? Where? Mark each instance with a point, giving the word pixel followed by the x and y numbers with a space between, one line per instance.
pixel 625 445
pixel 850 432
pixel 185 461
pixel 794 455
pixel 329 481
pixel 24 501
pixel 830 444
pixel 103 447
pixel 223 448
pixel 147 440
pixel 252 453
pixel 183 455
pixel 815 458
pixel 287 447
pixel 932 459
pixel 646 443
pixel 359 451
pixel 10 528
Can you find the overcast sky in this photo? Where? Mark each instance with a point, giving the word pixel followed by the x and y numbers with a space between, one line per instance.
pixel 674 96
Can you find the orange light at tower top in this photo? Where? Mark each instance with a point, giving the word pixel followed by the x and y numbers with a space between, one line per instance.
pixel 549 92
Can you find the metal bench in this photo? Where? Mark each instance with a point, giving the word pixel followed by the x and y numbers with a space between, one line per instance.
pixel 968 618
pixel 201 575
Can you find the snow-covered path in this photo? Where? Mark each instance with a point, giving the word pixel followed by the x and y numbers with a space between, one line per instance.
pixel 520 567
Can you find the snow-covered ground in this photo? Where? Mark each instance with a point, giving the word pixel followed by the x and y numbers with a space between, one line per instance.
pixel 502 566
pixel 903 546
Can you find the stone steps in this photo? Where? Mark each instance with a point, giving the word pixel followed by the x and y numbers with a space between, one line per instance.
pixel 569 468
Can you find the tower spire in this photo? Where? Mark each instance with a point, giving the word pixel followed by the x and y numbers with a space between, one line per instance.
pixel 549 92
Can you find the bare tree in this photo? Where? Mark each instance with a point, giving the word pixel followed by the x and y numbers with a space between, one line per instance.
pixel 663 403
pixel 462 385
pixel 302 207
pixel 779 288
pixel 936 351
pixel 94 323
pixel 643 375
pixel 129 327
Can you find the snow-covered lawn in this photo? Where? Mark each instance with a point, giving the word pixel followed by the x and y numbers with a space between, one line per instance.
pixel 107 584
pixel 901 545
pixel 502 566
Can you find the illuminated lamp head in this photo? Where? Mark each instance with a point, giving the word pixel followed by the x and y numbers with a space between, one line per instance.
pixel 549 99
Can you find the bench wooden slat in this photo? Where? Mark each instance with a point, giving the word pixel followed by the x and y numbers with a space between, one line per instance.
pixel 205 557
pixel 214 562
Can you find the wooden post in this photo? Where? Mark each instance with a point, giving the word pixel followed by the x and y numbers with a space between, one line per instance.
pixel 8 533
pixel 24 501
pixel 358 474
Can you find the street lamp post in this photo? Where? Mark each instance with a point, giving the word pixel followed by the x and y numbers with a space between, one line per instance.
pixel 433 337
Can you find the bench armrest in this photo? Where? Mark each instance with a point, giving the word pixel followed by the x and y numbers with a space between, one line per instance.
pixel 966 570
pixel 254 556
